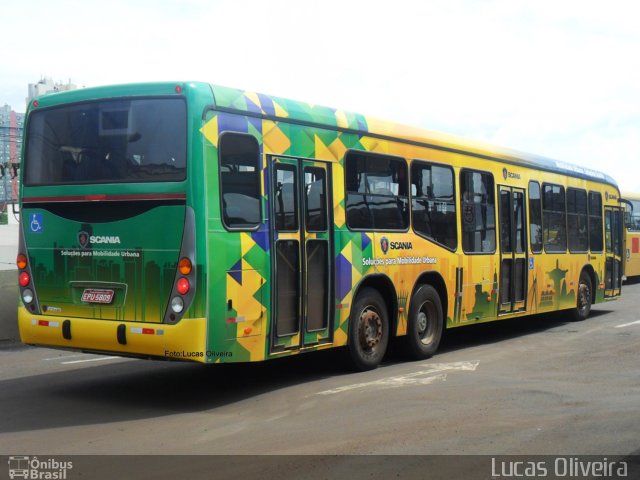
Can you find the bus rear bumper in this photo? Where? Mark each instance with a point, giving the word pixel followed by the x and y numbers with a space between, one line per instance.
pixel 183 341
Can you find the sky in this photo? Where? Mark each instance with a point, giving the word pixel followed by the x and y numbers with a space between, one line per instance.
pixel 556 78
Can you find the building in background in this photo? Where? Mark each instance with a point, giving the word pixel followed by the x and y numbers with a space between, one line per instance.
pixel 47 85
pixel 11 124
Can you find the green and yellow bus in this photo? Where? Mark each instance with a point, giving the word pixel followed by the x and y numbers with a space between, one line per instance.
pixel 188 221
pixel 631 203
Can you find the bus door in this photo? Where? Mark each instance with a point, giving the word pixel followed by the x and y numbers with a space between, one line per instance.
pixel 513 250
pixel 302 268
pixel 613 239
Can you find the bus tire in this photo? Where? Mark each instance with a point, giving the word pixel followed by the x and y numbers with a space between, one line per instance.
pixel 368 330
pixel 584 298
pixel 425 323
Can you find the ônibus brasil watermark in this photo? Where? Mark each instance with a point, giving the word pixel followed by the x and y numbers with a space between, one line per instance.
pixel 37 468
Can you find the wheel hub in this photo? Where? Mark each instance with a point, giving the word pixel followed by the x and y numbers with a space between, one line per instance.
pixel 422 322
pixel 370 328
pixel 584 297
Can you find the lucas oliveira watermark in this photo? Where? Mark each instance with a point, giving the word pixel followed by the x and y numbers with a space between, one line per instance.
pixel 186 354
pixel 573 467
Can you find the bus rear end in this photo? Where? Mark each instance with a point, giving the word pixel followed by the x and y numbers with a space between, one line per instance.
pixel 107 255
pixel 631 203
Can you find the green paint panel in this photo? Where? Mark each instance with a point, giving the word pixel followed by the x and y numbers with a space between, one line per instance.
pixel 136 258
pixel 327 136
pixel 303 144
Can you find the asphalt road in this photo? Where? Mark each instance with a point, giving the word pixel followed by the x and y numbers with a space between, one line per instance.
pixel 533 386
pixel 9 308
pixel 8 285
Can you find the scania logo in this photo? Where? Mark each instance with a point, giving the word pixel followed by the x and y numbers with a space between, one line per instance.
pixel 384 245
pixel 401 246
pixel 507 174
pixel 103 239
pixel 83 239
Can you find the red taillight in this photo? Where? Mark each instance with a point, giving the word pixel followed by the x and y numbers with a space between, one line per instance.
pixel 21 261
pixel 178 89
pixel 24 279
pixel 184 266
pixel 35 103
pixel 95 198
pixel 183 286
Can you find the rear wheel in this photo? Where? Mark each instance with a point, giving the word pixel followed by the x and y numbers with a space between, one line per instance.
pixel 585 298
pixel 424 329
pixel 368 330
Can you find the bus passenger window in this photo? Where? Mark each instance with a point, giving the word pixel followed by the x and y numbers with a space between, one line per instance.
pixel 577 220
pixel 595 222
pixel 285 200
pixel 535 217
pixel 478 212
pixel 240 180
pixel 554 218
pixel 433 203
pixel 316 199
pixel 632 215
pixel 376 197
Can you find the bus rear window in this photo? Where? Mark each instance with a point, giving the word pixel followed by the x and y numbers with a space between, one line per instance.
pixel 107 142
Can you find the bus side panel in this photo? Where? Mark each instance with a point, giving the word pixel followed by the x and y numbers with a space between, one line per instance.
pixel 352 250
pixel 632 253
pixel 183 341
pixel 548 283
pixel 479 288
pixel 238 268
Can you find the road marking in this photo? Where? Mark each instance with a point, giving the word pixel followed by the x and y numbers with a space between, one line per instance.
pixel 89 360
pixel 637 322
pixel 423 377
pixel 63 357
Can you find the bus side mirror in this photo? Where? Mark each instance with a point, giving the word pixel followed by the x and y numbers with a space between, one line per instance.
pixel 628 206
pixel 15 210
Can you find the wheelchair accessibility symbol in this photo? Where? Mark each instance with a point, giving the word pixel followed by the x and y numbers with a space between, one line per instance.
pixel 36 224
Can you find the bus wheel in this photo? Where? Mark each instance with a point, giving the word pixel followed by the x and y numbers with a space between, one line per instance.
pixel 585 298
pixel 368 330
pixel 424 329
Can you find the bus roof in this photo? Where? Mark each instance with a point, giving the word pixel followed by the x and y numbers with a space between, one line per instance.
pixel 282 109
pixel 277 108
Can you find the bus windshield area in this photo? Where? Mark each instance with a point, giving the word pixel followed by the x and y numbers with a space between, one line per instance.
pixel 633 215
pixel 142 140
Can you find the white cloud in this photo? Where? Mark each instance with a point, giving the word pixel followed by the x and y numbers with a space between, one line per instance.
pixel 560 79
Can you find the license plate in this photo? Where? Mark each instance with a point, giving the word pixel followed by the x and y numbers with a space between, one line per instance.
pixel 94 295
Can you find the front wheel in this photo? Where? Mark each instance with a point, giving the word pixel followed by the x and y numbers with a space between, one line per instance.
pixel 424 327
pixel 585 298
pixel 368 330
